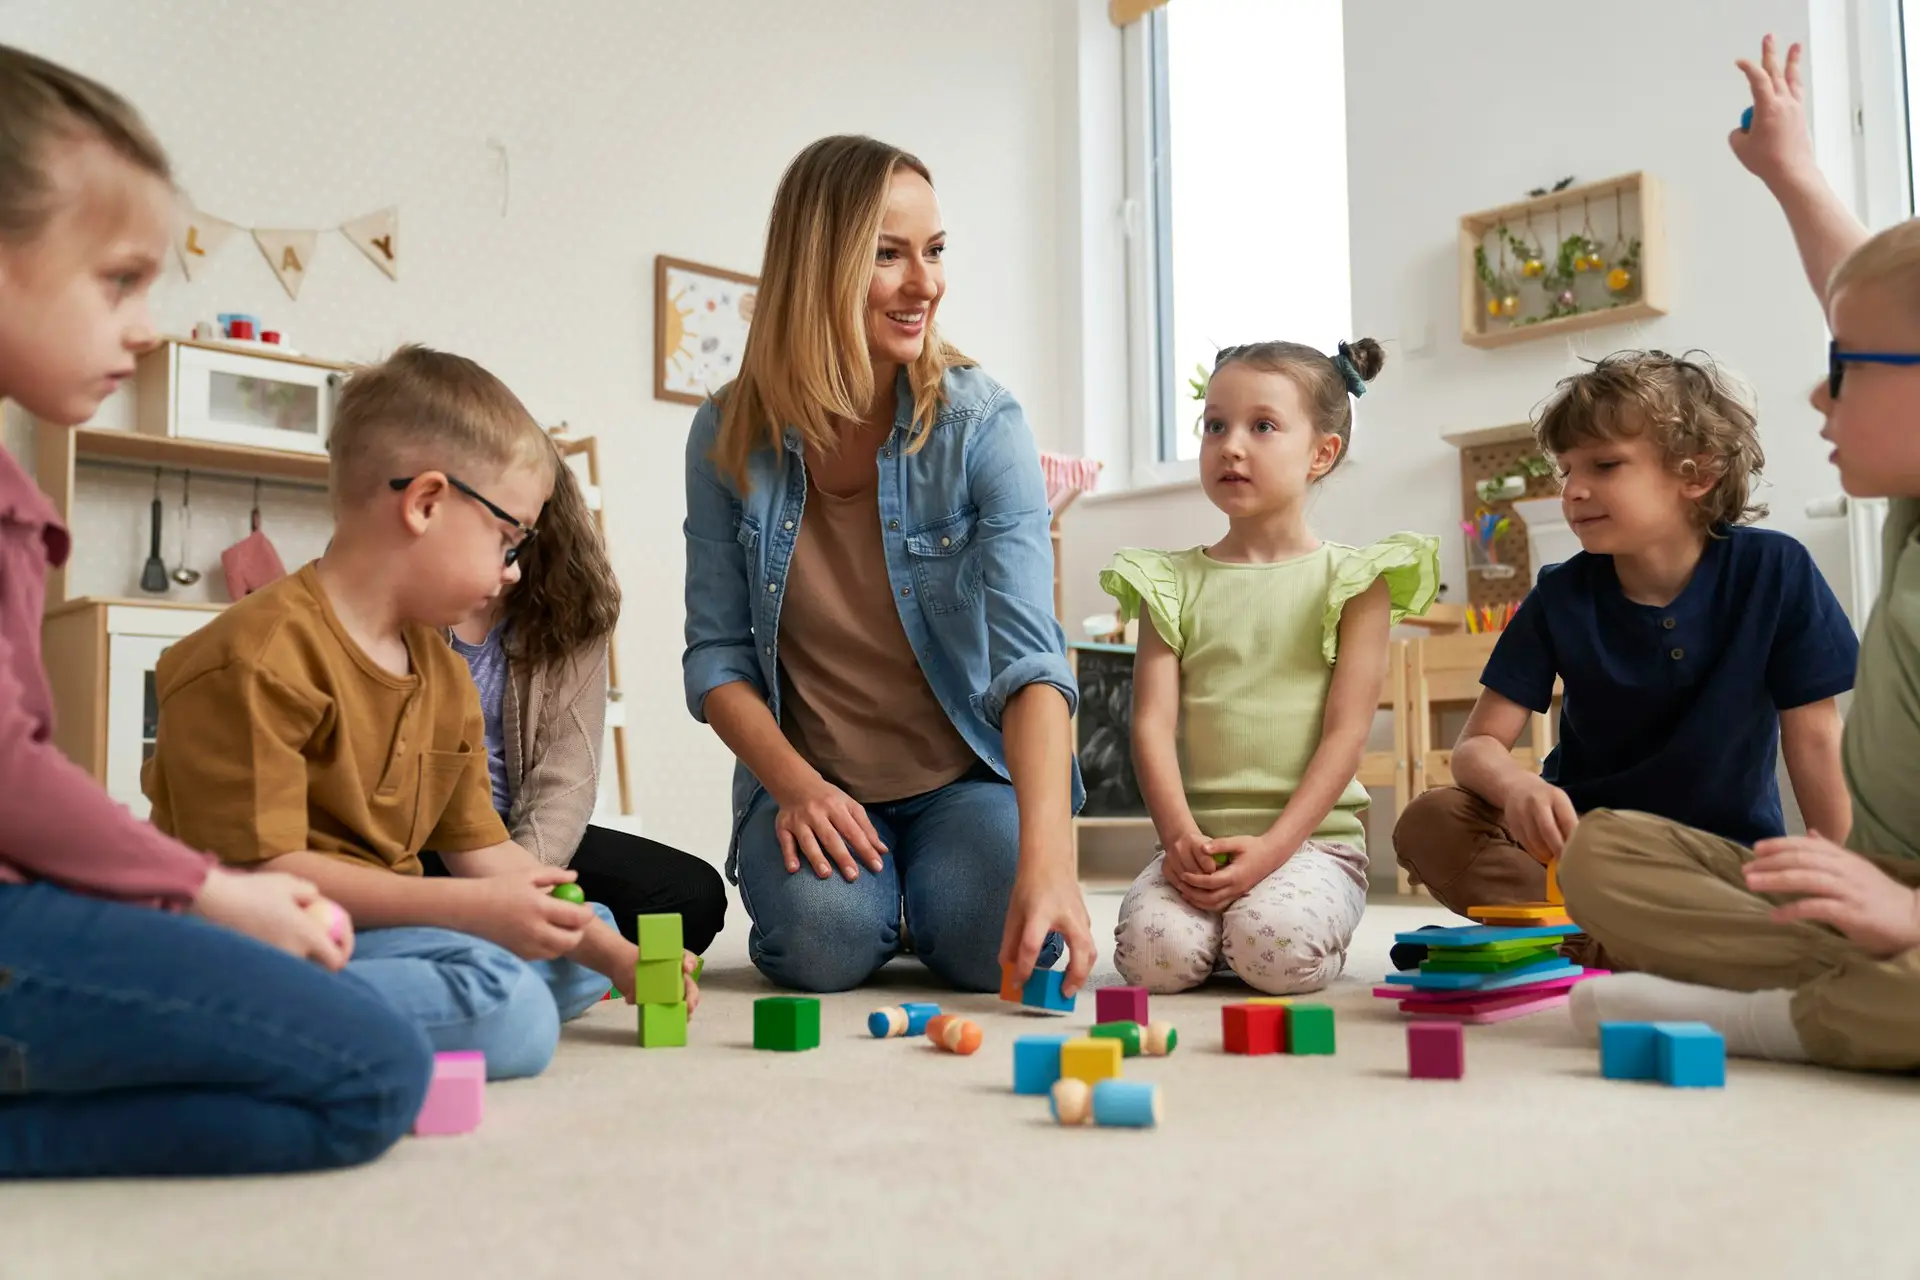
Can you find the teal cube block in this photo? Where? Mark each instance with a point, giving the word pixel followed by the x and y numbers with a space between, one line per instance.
pixel 1309 1028
pixel 786 1023
pixel 660 937
pixel 1629 1051
pixel 663 1026
pixel 658 982
pixel 1692 1055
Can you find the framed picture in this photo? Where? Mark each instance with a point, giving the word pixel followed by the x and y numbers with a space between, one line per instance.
pixel 700 319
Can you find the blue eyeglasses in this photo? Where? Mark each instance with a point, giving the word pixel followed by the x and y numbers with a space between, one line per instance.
pixel 1838 360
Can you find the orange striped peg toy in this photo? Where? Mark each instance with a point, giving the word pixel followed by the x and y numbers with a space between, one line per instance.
pixel 954 1034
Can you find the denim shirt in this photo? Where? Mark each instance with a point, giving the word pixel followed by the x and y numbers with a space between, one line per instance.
pixel 965 529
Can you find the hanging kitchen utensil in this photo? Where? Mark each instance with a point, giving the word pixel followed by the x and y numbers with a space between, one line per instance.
pixel 182 574
pixel 251 563
pixel 153 575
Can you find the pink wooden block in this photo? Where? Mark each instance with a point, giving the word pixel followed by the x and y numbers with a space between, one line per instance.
pixel 1120 1004
pixel 1482 1014
pixel 1527 990
pixel 1436 1051
pixel 455 1096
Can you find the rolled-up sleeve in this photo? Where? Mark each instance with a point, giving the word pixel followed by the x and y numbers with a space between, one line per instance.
pixel 1025 644
pixel 719 631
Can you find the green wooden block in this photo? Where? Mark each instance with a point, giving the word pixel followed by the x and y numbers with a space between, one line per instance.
pixel 1127 1033
pixel 658 982
pixel 1309 1028
pixel 699 967
pixel 663 1026
pixel 1438 961
pixel 660 937
pixel 787 1023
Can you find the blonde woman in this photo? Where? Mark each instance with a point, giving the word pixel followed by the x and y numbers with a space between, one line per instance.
pixel 869 610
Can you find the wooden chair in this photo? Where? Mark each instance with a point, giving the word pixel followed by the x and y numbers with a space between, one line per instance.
pixel 1443 674
pixel 1392 770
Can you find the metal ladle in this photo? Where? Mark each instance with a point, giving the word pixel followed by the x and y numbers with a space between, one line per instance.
pixel 183 575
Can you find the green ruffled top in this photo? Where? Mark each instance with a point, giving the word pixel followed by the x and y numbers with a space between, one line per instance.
pixel 1257 644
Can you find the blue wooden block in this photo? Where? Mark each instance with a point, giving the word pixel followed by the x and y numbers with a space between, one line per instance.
pixel 1692 1055
pixel 1545 971
pixel 918 1016
pixel 1628 1051
pixel 1475 935
pixel 1036 1063
pixel 1043 991
pixel 1746 120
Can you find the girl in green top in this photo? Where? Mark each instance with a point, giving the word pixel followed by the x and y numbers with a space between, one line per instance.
pixel 1255 687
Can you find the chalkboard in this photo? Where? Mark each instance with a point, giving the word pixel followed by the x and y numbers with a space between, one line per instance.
pixel 1104 739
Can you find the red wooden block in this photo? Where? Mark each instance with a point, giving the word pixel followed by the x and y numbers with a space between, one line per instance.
pixel 1436 1051
pixel 1254 1028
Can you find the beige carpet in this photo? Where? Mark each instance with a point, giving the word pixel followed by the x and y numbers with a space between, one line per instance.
pixel 874 1158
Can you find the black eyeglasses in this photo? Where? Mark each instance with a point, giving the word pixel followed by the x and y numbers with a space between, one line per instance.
pixel 526 531
pixel 1838 360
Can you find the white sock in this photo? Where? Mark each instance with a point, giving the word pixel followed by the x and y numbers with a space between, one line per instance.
pixel 1756 1024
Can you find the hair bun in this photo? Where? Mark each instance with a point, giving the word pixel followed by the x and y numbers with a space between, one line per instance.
pixel 1368 357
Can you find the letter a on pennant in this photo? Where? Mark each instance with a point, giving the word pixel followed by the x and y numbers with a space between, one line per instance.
pixel 198 237
pixel 289 253
pixel 378 236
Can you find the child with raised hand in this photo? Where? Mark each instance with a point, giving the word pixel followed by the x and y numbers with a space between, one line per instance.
pixel 1255 687
pixel 324 726
pixel 158 1015
pixel 538 655
pixel 1804 949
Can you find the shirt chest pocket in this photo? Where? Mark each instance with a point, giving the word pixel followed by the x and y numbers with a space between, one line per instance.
pixel 440 774
pixel 946 564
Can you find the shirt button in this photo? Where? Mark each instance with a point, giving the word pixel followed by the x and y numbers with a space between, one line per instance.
pixel 1667 623
pixel 906 591
pixel 768 651
pixel 1677 654
pixel 787 524
pixel 771 588
pixel 946 542
pixel 887 452
pixel 893 524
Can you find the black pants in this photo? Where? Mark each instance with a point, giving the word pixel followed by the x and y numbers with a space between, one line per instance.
pixel 632 876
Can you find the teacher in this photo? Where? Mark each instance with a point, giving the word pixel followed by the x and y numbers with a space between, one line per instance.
pixel 869 610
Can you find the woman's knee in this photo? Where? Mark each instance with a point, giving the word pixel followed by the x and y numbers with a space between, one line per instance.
pixel 828 936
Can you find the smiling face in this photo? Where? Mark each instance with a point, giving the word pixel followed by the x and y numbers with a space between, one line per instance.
pixel 908 276
pixel 1622 498
pixel 73 299
pixel 1259 450
pixel 1874 426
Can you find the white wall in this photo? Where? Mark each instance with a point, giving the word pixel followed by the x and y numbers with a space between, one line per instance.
pixel 634 127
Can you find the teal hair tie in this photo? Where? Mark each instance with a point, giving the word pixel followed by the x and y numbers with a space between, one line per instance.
pixel 1343 361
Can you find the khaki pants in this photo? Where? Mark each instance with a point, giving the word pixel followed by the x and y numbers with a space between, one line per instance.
pixel 1672 901
pixel 1453 842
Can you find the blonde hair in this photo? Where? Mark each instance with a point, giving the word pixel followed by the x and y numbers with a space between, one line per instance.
pixel 1320 378
pixel 1689 408
pixel 421 410
pixel 1892 257
pixel 806 361
pixel 41 102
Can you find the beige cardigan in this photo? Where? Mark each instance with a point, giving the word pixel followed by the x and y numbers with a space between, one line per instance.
pixel 555 717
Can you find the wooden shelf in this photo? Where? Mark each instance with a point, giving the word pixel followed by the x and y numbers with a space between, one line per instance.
pixel 130 602
pixel 1628 313
pixel 1513 433
pixel 1611 211
pixel 96 444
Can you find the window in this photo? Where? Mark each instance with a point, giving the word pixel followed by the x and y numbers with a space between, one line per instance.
pixel 1237 200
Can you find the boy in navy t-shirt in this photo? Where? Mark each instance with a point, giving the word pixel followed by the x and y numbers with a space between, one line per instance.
pixel 1690 648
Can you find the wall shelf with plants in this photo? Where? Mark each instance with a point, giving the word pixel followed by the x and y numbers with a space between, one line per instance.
pixel 1575 258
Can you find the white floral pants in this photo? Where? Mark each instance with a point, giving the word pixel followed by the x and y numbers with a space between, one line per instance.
pixel 1289 934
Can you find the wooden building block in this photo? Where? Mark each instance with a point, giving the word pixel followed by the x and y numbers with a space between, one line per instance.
pixel 455 1096
pixel 1691 1055
pixel 663 1026
pixel 659 981
pixel 786 1023
pixel 1436 1050
pixel 1120 1004
pixel 1253 1028
pixel 1310 1029
pixel 1131 1035
pixel 1629 1051
pixel 660 937
pixel 1036 1063
pixel 1043 992
pixel 1554 895
pixel 1090 1060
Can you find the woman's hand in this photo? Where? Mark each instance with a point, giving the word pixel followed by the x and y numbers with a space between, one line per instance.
pixel 1840 888
pixel 1047 899
pixel 827 827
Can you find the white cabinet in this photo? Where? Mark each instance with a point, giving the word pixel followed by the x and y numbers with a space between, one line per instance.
pixel 100 657
pixel 202 391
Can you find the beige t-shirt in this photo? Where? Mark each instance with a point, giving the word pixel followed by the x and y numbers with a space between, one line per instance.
pixel 853 700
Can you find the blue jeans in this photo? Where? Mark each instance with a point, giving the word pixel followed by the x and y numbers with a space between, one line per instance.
pixel 951 858
pixel 468 993
pixel 134 1042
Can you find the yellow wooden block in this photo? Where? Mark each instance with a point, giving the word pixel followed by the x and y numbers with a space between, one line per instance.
pixel 1553 884
pixel 1269 1000
pixel 1090 1059
pixel 1542 911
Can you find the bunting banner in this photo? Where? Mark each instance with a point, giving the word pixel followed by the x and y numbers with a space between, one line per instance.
pixel 289 251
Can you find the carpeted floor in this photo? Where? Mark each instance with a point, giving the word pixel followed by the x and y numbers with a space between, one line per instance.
pixel 872 1158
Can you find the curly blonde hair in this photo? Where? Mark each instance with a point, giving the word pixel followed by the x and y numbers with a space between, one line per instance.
pixel 1701 419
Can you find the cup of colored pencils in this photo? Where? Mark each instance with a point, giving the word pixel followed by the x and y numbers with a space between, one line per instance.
pixel 1483 619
